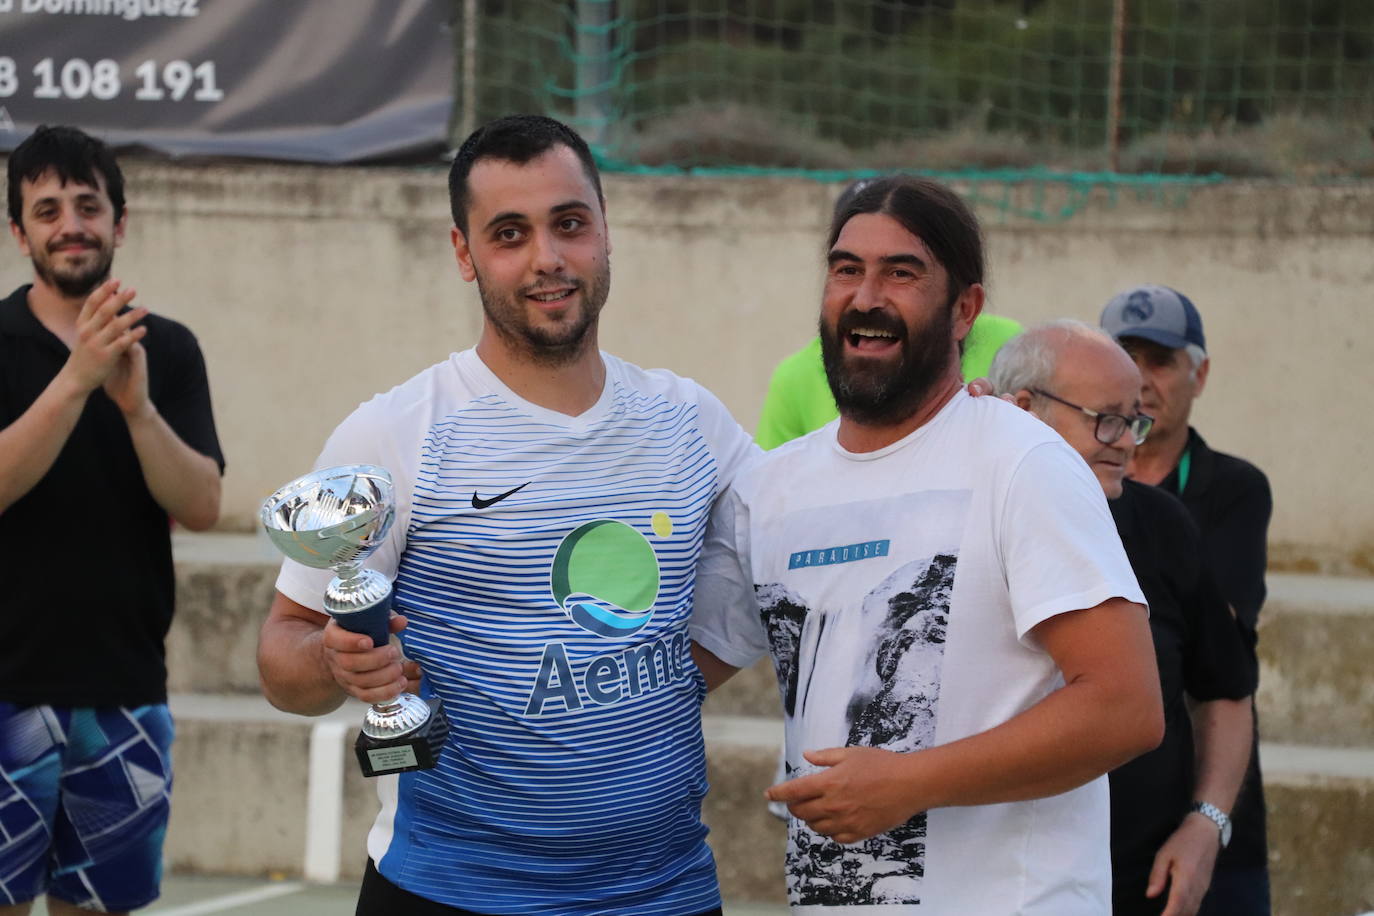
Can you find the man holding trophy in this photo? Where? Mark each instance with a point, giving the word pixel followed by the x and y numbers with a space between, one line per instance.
pixel 335 518
pixel 538 508
pixel 105 432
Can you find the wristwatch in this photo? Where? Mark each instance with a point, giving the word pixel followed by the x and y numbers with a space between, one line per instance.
pixel 1216 816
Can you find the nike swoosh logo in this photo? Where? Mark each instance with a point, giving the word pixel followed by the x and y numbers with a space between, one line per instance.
pixel 480 503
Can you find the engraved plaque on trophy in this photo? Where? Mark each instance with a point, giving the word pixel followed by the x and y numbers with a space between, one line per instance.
pixel 334 518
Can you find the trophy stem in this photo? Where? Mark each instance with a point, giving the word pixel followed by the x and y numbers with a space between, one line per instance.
pixel 361 602
pixel 348 574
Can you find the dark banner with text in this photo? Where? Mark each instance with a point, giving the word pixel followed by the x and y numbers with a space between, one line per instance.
pixel 306 80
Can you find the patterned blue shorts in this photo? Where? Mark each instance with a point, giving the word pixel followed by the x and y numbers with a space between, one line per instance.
pixel 84 798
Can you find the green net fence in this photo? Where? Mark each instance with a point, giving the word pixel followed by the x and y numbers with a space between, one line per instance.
pixel 1095 91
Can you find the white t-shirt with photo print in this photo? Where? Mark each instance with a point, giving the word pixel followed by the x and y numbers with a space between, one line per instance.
pixel 896 591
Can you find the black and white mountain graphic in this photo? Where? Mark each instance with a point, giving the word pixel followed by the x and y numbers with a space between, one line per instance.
pixel 892 701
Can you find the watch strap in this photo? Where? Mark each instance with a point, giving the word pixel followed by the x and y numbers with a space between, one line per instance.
pixel 1216 816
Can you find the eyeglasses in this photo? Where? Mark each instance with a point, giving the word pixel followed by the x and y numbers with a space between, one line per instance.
pixel 1109 426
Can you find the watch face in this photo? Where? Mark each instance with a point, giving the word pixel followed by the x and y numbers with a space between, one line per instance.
pixel 1226 833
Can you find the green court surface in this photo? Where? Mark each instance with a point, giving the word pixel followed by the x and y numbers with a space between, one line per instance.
pixel 184 895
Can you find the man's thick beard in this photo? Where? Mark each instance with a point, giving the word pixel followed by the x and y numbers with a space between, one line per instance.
pixel 888 395
pixel 75 286
pixel 550 348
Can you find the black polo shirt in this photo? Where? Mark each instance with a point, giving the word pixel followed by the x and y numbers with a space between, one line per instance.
pixel 87 590
pixel 1229 499
pixel 1201 653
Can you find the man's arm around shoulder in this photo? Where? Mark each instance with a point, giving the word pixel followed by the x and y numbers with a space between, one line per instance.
pixel 1108 712
pixel 712 667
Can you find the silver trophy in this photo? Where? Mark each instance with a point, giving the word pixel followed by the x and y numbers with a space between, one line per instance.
pixel 334 518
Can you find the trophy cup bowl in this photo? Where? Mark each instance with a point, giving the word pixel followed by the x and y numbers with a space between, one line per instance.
pixel 334 518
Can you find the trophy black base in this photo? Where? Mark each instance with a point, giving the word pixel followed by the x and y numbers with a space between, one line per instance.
pixel 418 750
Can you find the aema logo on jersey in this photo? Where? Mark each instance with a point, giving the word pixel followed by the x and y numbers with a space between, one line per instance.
pixel 605 575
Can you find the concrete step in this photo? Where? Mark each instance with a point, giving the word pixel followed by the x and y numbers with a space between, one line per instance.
pixel 225 584
pixel 260 792
pixel 1320 803
pixel 748 841
pixel 1316 648
pixel 751 692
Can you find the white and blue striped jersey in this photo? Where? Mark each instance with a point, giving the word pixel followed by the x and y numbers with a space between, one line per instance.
pixel 546 566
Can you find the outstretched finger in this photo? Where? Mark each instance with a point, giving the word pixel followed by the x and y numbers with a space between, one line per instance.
pixel 134 352
pixel 96 299
pixel 367 670
pixel 811 810
pixel 372 660
pixel 826 756
pixel 412 673
pixel 107 324
pixel 341 640
pixel 121 346
pixel 372 687
pixel 795 790
pixel 1159 875
pixel 1177 904
pixel 120 325
pixel 110 309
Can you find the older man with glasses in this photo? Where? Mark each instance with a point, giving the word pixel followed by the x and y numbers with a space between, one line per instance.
pixel 1168 806
pixel 1229 498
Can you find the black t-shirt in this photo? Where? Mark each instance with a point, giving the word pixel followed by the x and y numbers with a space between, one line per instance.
pixel 87 558
pixel 1229 499
pixel 1201 653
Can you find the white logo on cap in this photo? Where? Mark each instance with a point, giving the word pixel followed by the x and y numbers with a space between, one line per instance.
pixel 1138 308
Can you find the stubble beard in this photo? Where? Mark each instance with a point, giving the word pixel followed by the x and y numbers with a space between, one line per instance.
pixel 883 394
pixel 553 346
pixel 76 284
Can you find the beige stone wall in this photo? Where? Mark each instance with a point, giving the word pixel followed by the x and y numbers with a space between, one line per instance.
pixel 312 288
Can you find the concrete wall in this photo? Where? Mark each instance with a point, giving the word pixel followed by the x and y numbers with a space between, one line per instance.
pixel 310 289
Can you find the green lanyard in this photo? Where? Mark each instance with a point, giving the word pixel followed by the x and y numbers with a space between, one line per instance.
pixel 1184 465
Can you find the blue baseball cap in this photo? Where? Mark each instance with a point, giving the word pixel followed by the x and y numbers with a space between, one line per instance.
pixel 1155 313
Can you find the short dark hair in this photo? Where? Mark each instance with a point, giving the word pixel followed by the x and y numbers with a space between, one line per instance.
pixel 928 210
pixel 70 152
pixel 518 139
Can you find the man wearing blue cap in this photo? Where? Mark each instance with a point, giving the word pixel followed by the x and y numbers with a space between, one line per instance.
pixel 1230 500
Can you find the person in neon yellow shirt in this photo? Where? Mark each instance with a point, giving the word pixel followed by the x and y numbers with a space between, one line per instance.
pixel 799 398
